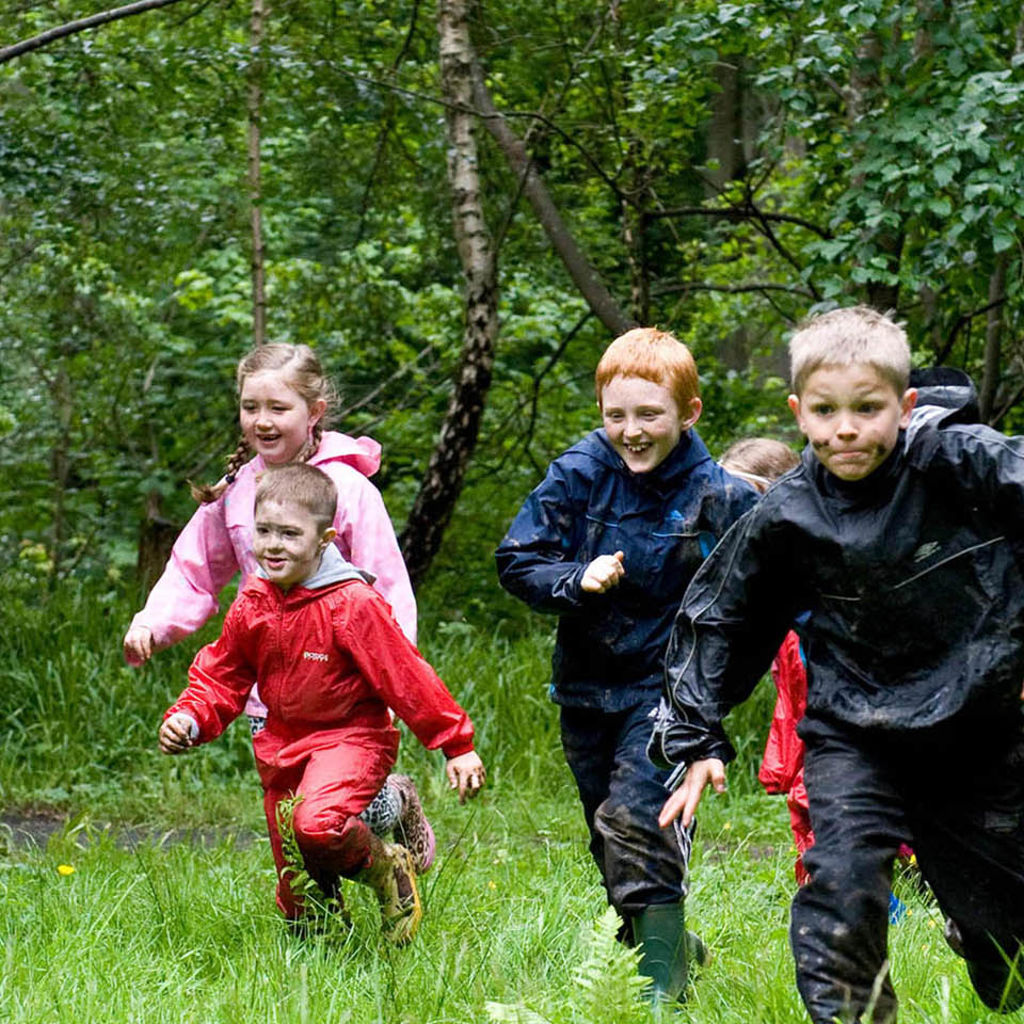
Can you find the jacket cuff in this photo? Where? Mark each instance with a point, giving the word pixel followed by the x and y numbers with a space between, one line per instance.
pixel 568 588
pixel 457 749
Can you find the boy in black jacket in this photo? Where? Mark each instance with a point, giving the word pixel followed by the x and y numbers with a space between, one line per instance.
pixel 897 546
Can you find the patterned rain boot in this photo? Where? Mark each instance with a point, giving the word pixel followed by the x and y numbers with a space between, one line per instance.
pixel 392 877
pixel 413 830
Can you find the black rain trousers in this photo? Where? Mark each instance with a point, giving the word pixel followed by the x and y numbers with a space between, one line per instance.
pixel 958 798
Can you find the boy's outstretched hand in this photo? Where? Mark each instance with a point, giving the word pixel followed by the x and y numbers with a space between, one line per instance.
pixel 603 573
pixel 178 733
pixel 466 774
pixel 685 799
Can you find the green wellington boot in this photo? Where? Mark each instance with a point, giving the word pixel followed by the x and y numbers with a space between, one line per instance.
pixel 666 950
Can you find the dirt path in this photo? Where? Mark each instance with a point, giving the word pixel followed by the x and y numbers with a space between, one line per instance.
pixel 27 831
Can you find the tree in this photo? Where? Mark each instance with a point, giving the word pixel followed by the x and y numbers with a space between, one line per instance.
pixel 446 470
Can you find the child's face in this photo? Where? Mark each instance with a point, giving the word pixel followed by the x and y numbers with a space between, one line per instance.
pixel 852 416
pixel 643 421
pixel 288 542
pixel 275 419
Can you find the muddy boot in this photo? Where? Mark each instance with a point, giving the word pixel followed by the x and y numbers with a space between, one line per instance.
pixel 392 877
pixel 413 830
pixel 667 949
pixel 326 918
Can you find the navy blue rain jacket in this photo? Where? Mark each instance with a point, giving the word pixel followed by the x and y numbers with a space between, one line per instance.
pixel 610 648
pixel 907 587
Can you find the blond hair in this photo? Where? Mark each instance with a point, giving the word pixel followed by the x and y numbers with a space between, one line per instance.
pixel 842 337
pixel 759 460
pixel 296 483
pixel 300 368
pixel 653 355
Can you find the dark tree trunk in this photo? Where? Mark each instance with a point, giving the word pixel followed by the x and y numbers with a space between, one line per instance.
pixel 156 538
pixel 993 341
pixel 584 276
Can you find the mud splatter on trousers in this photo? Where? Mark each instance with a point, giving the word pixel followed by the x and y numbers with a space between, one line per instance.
pixel 622 793
pixel 957 797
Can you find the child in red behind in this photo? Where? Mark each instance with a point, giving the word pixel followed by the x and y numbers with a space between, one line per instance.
pixel 331 660
pixel 761 461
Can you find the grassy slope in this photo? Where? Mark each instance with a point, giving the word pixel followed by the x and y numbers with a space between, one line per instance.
pixel 175 932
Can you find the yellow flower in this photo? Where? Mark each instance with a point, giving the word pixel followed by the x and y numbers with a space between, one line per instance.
pixel 65 869
pixel 492 885
pixel 727 825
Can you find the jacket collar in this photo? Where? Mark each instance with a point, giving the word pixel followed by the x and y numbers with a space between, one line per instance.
pixel 361 453
pixel 333 568
pixel 874 486
pixel 689 452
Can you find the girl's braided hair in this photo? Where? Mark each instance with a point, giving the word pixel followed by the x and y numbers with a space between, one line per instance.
pixel 300 368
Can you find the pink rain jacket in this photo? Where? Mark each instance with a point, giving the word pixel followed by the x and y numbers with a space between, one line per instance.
pixel 217 543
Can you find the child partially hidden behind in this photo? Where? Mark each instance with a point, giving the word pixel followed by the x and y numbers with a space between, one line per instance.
pixel 331 660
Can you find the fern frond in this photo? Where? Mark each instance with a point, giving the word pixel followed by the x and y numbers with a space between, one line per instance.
pixel 294 870
pixel 514 1013
pixel 610 987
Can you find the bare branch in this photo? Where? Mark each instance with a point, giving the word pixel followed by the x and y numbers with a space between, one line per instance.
pixel 733 289
pixel 562 240
pixel 746 212
pixel 81 25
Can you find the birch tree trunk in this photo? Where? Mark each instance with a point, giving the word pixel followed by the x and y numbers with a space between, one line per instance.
pixel 446 471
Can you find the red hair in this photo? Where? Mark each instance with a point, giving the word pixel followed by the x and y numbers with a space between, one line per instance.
pixel 653 355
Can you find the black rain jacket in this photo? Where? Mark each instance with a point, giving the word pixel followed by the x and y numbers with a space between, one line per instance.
pixel 906 589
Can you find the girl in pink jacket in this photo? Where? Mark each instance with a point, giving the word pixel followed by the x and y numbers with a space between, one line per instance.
pixel 283 398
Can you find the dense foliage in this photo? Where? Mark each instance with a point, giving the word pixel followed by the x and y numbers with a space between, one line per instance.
pixel 725 168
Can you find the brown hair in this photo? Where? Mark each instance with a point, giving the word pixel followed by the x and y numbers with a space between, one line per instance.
pixel 654 355
pixel 759 460
pixel 295 483
pixel 300 367
pixel 842 337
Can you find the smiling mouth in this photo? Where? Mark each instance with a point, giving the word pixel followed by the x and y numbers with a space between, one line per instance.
pixel 267 438
pixel 637 449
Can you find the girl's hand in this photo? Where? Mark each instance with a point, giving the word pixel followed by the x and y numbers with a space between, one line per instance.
pixel 685 799
pixel 178 733
pixel 603 573
pixel 138 645
pixel 466 774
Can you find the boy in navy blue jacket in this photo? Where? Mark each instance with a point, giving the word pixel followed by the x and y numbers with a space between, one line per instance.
pixel 897 547
pixel 609 541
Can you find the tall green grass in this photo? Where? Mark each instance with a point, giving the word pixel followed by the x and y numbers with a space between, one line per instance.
pixel 116 924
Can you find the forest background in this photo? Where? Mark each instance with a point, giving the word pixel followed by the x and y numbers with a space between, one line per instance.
pixel 458 205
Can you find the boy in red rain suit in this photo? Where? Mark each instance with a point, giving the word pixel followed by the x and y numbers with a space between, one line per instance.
pixel 331 660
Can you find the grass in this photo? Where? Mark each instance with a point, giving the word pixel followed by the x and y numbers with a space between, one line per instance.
pixel 103 924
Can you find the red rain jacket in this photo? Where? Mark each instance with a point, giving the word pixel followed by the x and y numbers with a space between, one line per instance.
pixel 784 752
pixel 330 662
